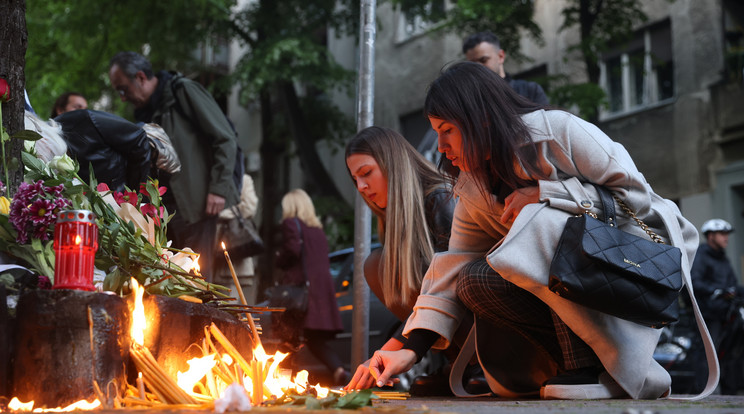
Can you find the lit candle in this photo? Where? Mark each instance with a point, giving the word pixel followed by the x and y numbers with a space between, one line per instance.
pixel 256 339
pixel 258 380
pixel 141 386
pixel 75 245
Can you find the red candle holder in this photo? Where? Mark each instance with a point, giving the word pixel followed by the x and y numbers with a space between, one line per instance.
pixel 75 246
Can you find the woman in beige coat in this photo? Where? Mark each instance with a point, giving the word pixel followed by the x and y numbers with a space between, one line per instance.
pixel 521 171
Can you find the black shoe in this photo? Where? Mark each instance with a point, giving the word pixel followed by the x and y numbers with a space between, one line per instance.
pixel 477 384
pixel 591 383
pixel 435 385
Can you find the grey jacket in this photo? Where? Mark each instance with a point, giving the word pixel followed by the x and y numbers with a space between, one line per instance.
pixel 573 153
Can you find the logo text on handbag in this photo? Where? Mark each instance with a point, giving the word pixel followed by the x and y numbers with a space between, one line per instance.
pixel 631 263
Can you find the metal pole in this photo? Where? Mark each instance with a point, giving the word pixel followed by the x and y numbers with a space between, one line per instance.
pixel 362 216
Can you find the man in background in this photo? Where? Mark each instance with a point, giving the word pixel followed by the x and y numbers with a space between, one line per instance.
pixel 203 139
pixel 485 48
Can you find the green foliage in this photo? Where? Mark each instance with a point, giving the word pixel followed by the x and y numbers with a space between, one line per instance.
pixel 583 97
pixel 350 401
pixel 70 42
pixel 287 43
pixel 510 20
pixel 602 24
pixel 338 221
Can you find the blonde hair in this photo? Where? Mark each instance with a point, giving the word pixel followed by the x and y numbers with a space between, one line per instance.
pixel 297 203
pixel 407 243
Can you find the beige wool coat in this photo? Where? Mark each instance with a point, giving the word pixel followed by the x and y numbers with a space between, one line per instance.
pixel 573 153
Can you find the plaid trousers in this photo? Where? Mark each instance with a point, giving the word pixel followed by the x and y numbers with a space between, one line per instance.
pixel 502 303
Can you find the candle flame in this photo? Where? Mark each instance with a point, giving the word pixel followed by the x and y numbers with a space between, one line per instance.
pixel 197 268
pixel 198 369
pixel 139 323
pixel 77 239
pixel 16 405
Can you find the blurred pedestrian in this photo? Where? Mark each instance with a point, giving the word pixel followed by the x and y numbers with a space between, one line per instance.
pixel 719 295
pixel 204 140
pixel 68 101
pixel 485 48
pixel 118 151
pixel 303 255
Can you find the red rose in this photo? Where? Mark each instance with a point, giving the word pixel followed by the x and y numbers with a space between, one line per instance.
pixel 4 91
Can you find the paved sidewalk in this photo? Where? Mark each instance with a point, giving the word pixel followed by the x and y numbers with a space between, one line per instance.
pixel 715 404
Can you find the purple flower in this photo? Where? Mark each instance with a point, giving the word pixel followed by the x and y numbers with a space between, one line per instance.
pixel 44 282
pixel 34 210
pixel 41 210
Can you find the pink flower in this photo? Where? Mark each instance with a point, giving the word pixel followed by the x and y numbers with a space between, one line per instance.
pixel 126 197
pixel 143 190
pixel 152 211
pixel 102 187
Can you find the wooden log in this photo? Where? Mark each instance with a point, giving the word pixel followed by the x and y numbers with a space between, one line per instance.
pixel 175 325
pixel 54 361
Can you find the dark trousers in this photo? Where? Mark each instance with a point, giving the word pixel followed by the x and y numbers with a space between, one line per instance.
pixel 317 343
pixel 199 236
pixel 503 303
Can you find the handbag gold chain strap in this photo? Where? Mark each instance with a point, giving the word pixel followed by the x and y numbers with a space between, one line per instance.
pixel 655 237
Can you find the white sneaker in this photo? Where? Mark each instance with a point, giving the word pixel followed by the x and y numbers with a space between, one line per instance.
pixel 566 388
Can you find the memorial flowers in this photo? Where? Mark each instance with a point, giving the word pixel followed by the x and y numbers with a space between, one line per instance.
pixel 131 224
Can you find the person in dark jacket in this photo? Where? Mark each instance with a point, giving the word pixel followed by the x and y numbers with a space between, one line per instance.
pixel 414 216
pixel 118 151
pixel 716 288
pixel 303 256
pixel 204 140
pixel 485 48
pixel 713 278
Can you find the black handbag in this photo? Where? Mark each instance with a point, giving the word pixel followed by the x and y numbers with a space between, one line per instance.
pixel 293 298
pixel 242 237
pixel 604 268
pixel 290 297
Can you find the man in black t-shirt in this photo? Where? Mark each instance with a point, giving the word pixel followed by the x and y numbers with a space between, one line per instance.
pixel 485 48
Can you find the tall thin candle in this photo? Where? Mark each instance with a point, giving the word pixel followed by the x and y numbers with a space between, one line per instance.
pixel 256 339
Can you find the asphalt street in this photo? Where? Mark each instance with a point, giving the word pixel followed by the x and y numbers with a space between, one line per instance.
pixel 715 404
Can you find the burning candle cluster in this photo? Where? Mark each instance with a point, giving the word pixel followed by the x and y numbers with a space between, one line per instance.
pixel 208 376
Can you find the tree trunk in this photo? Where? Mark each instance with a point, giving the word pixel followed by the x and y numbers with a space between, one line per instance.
pixel 271 154
pixel 13 42
pixel 587 19
pixel 311 164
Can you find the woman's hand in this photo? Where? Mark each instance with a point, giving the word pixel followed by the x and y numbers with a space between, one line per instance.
pixel 384 364
pixel 517 200
pixel 362 378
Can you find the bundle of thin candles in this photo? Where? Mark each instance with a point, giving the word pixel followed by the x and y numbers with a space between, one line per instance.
pixel 156 379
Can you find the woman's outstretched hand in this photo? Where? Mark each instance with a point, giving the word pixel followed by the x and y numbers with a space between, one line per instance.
pixel 362 378
pixel 384 364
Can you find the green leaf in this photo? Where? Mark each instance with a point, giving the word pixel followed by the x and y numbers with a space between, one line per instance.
pixel 33 163
pixel 312 403
pixel 27 135
pixel 356 399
